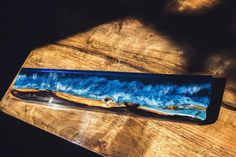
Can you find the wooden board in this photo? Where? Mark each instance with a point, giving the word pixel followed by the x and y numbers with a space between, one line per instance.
pixel 127 45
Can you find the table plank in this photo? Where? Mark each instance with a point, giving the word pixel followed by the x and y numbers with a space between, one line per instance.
pixel 126 45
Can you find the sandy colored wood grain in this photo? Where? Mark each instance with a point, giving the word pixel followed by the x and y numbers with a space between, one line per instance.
pixel 126 45
pixel 190 6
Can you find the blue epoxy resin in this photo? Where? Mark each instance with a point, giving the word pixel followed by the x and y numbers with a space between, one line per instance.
pixel 181 95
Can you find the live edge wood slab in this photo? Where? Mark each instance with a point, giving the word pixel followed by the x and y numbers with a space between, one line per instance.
pixel 127 45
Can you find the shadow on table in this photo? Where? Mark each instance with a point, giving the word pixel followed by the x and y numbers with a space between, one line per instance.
pixel 29 24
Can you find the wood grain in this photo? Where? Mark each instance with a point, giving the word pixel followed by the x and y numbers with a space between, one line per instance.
pixel 127 45
pixel 190 6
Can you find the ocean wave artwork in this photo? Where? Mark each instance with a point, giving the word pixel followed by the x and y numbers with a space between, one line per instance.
pixel 170 95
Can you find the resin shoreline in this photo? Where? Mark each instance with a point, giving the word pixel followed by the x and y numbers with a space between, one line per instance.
pixel 67 100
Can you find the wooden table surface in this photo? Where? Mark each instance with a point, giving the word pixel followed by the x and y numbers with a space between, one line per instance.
pixel 127 45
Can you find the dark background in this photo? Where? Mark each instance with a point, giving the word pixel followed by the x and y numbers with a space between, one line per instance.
pixel 28 24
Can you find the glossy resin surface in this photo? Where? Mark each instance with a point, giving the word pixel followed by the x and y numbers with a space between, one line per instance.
pixel 169 95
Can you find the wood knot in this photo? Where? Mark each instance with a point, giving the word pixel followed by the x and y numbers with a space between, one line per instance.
pixel 102 145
